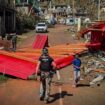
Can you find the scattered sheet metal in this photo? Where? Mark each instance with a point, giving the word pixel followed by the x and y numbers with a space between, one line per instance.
pixel 96 81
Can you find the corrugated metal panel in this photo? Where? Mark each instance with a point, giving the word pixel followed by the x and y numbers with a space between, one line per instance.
pixel 16 67
pixel 40 42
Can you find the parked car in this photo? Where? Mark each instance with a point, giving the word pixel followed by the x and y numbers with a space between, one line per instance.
pixel 41 27
pixel 70 21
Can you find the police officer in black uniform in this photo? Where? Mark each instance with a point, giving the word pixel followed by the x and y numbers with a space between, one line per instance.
pixel 46 68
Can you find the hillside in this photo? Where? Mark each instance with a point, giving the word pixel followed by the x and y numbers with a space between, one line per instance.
pixel 81 6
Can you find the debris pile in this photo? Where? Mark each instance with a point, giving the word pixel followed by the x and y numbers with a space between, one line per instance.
pixel 93 70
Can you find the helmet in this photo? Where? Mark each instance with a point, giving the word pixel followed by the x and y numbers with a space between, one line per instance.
pixel 45 51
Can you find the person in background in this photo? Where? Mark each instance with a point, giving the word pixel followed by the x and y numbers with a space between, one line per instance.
pixel 46 68
pixel 76 66
pixel 14 41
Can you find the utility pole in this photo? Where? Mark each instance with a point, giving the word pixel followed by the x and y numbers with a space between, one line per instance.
pixel 99 9
pixel 73 8
pixel 50 6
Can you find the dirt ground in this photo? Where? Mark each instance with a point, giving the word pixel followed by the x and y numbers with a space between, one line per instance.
pixel 26 92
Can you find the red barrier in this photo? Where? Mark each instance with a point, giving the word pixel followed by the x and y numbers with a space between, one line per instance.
pixel 40 42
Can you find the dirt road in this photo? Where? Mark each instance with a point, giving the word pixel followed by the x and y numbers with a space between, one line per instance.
pixel 26 92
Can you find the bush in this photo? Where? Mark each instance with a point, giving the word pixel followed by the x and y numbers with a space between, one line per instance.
pixel 3 78
pixel 28 22
pixel 25 22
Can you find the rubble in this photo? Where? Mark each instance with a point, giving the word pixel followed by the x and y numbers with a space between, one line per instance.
pixel 97 80
pixel 93 70
pixel 88 70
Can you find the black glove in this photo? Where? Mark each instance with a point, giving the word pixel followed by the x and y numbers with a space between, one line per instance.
pixel 53 72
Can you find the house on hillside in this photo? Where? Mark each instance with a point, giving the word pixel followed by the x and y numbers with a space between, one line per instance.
pixel 7 16
pixel 27 6
pixel 60 10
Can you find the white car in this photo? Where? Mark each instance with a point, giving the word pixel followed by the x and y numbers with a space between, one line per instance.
pixel 41 27
pixel 70 21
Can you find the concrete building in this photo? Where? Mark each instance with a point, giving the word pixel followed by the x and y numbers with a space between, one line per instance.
pixel 7 16
pixel 22 6
pixel 27 6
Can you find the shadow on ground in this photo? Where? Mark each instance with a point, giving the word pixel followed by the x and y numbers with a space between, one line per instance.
pixel 59 95
pixel 83 85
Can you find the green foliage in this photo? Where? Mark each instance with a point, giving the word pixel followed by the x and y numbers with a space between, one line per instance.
pixel 31 2
pixel 17 1
pixel 28 22
pixel 3 78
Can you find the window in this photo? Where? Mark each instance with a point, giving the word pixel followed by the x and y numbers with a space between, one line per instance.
pixel 41 24
pixel 71 20
pixel 23 1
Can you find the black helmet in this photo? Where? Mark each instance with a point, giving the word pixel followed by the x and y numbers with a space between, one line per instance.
pixel 45 51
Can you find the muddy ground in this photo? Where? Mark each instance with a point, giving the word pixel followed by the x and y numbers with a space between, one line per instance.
pixel 26 92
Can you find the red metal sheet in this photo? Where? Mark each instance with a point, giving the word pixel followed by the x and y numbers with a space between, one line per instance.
pixel 23 69
pixel 40 42
pixel 16 67
pixel 64 61
pixel 22 65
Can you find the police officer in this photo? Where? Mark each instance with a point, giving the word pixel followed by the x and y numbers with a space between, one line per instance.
pixel 46 68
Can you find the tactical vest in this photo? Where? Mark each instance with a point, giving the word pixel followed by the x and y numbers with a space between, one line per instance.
pixel 46 63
